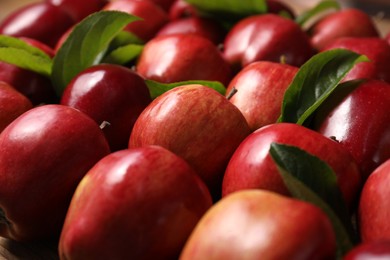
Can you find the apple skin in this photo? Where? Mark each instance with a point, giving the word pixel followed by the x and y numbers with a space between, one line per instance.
pixel 377 51
pixel 260 90
pixel 79 9
pixel 387 37
pixel 139 203
pixel 348 22
pixel 259 224
pixel 182 9
pixel 44 154
pixel 111 93
pixel 205 27
pixel 40 21
pixel 182 57
pixel 12 104
pixel 266 37
pixel 374 206
pixel 278 7
pixel 154 17
pixel 164 4
pixel 251 166
pixel 359 120
pixel 370 251
pixel 196 123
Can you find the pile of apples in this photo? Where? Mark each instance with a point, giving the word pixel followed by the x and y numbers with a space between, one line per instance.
pixel 195 129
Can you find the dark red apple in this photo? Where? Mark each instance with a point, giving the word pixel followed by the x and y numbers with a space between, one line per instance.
pixel 139 203
pixel 374 205
pixel 79 9
pixel 40 21
pixel 12 104
pixel 280 8
pixel 181 57
pixel 251 166
pixel 349 22
pixel 377 51
pixel 359 120
pixel 164 4
pixel 259 224
pixel 198 124
pixel 205 27
pixel 153 16
pixel 181 9
pixel 387 37
pixel 259 90
pixel 44 153
pixel 374 250
pixel 109 93
pixel 268 37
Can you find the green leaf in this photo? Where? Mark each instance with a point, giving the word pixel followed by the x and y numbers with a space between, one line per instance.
pixel 13 42
pixel 26 60
pixel 310 179
pixel 87 45
pixel 321 8
pixel 230 8
pixel 315 81
pixel 124 54
pixel 157 88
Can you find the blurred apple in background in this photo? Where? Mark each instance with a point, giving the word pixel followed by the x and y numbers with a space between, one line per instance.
pixel 251 166
pixel 182 9
pixel 259 90
pixel 79 9
pixel 139 203
pixel 259 224
pixel 182 57
pixel 374 250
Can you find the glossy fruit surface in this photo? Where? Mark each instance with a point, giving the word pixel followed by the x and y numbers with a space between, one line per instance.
pixel 79 9
pixel 370 251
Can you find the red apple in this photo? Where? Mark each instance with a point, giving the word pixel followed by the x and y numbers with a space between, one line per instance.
pixel 266 37
pixel 44 153
pixel 280 8
pixel 40 21
pixel 370 251
pixel 79 9
pixel 260 88
pixel 251 166
pixel 12 104
pixel 348 22
pixel 359 120
pixel 109 93
pixel 164 4
pixel 139 203
pixel 259 224
pixel 387 37
pixel 375 48
pixel 153 16
pixel 181 9
pixel 181 57
pixel 374 205
pixel 205 27
pixel 198 124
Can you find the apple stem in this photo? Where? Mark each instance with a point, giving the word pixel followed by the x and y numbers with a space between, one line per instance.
pixel 3 218
pixel 231 93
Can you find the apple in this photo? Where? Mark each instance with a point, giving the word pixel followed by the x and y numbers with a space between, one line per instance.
pixel 198 124
pixel 259 90
pixel 153 16
pixel 387 37
pixel 251 166
pixel 268 37
pixel 348 22
pixel 110 94
pixel 12 104
pixel 164 4
pixel 44 153
pixel 377 51
pixel 182 9
pixel 260 224
pixel 40 21
pixel 206 27
pixel 79 9
pixel 358 119
pixel 374 206
pixel 379 249
pixel 182 57
pixel 139 203
pixel 280 8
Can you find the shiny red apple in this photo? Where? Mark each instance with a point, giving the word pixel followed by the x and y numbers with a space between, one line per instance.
pixel 347 22
pixel 198 124
pixel 112 95
pixel 259 90
pixel 182 57
pixel 251 166
pixel 79 9
pixel 138 203
pixel 44 153
pixel 182 9
pixel 259 224
pixel 374 250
